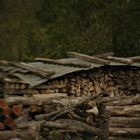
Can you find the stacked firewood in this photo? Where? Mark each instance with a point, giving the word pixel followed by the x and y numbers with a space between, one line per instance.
pixel 51 115
pixel 115 80
pixel 125 115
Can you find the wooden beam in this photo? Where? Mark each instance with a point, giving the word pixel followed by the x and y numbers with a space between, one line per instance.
pixel 88 58
pixel 60 62
pixel 120 60
pixel 135 58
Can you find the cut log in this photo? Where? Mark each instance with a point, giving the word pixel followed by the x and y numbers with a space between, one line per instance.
pixel 60 62
pixel 35 99
pixel 17 110
pixel 128 111
pixel 125 122
pixel 2 126
pixel 135 58
pixel 120 60
pixel 51 86
pixel 124 102
pixel 88 58
pixel 125 132
pixel 21 134
pixel 73 125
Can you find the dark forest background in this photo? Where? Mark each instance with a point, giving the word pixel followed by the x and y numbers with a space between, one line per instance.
pixel 50 28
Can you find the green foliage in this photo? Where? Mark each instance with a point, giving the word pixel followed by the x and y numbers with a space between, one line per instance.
pixel 50 28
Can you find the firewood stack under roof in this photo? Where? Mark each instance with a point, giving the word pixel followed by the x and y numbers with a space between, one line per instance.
pixel 33 91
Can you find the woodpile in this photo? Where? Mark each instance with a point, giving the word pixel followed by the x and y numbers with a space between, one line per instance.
pixel 125 115
pixel 46 103
pixel 51 116
pixel 116 81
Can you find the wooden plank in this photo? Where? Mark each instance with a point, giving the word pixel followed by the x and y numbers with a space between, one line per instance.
pixel 104 55
pixel 88 58
pixel 61 62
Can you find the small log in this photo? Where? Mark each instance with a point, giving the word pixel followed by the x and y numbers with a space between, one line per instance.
pixel 125 132
pixel 33 108
pixel 104 55
pixel 125 122
pixel 17 110
pixel 88 58
pixel 61 62
pixel 51 86
pixel 120 60
pixel 35 99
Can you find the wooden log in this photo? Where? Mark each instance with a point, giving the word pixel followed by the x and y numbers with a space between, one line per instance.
pixel 61 62
pixel 35 99
pixel 88 58
pixel 135 58
pixel 17 110
pixel 69 105
pixel 73 125
pixel 2 126
pixel 128 111
pixel 104 55
pixel 51 86
pixel 21 134
pixel 104 118
pixel 124 102
pixel 125 132
pixel 120 60
pixel 125 122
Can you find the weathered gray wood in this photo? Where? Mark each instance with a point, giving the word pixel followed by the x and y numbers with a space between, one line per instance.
pixel 125 132
pixel 135 58
pixel 73 125
pixel 103 122
pixel 104 55
pixel 60 62
pixel 125 122
pixel 120 60
pixel 128 111
pixel 88 58
pixel 35 99
pixel 124 102
pixel 30 68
